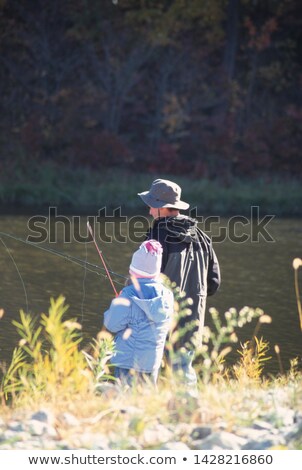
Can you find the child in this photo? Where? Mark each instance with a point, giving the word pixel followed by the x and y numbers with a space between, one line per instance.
pixel 141 317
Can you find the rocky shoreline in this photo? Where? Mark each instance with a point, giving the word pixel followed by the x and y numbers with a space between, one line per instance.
pixel 277 426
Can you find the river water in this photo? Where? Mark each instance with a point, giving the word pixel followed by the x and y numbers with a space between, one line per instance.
pixel 256 273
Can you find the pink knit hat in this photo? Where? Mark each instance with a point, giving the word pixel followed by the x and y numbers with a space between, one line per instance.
pixel 146 261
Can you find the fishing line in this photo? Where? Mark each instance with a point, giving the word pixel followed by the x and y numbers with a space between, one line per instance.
pixel 72 259
pixel 83 284
pixel 21 279
pixel 106 261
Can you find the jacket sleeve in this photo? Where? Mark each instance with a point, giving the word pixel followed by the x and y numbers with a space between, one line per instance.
pixel 214 278
pixel 117 317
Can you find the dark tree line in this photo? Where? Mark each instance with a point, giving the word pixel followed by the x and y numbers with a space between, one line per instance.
pixel 205 87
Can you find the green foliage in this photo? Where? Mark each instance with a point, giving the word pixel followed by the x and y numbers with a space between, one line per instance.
pixel 48 360
pixel 38 375
pixel 51 184
pixel 102 351
pixel 11 382
pixel 217 343
pixel 166 21
pixel 98 97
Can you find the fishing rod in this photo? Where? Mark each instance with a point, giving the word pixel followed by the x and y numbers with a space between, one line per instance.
pixel 102 258
pixel 70 258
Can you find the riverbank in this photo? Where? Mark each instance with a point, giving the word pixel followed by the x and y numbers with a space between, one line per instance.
pixel 223 416
pixel 56 395
pixel 84 191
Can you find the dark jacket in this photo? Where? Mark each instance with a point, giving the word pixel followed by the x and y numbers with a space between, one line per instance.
pixel 188 260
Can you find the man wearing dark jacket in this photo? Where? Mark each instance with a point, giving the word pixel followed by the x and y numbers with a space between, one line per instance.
pixel 188 258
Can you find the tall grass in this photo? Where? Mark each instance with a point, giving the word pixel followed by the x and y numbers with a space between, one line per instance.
pixel 49 367
pixel 81 188
pixel 212 349
pixel 48 360
pixel 297 263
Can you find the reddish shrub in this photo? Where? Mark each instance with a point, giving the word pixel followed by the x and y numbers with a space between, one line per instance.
pixel 100 149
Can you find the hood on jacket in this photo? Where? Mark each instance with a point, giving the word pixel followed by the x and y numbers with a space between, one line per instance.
pixel 153 308
pixel 182 228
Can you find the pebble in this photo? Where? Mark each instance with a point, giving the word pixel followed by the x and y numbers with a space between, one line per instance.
pixel 221 440
pixel 265 443
pixel 45 416
pixel 174 446
pixel 200 432
pixel 69 420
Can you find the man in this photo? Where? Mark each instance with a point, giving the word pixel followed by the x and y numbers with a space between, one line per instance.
pixel 188 260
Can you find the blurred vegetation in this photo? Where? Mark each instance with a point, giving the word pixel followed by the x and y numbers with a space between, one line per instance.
pixel 49 369
pixel 210 89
